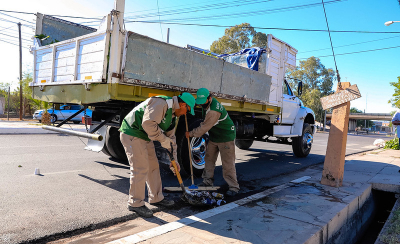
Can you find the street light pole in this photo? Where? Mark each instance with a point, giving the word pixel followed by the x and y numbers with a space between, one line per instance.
pixel 387 23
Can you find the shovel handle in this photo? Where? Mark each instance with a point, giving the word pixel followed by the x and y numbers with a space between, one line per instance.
pixel 178 175
pixel 190 152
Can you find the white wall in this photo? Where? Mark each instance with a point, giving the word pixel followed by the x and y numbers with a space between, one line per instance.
pixel 2 104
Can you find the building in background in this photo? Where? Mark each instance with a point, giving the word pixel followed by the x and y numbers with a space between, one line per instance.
pixel 2 104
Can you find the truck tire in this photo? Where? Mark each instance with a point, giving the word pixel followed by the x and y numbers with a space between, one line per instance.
pixel 301 145
pixel 105 149
pixel 243 144
pixel 114 145
pixel 198 145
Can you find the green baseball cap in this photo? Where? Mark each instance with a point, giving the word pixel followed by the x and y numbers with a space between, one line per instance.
pixel 202 95
pixel 189 100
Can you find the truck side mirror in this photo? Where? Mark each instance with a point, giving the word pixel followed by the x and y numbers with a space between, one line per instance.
pixel 300 88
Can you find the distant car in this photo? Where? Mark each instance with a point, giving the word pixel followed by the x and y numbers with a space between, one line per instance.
pixel 64 112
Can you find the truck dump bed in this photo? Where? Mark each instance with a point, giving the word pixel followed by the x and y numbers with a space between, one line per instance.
pixel 148 67
pixel 151 62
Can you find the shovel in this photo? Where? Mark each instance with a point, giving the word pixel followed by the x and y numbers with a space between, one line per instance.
pixel 186 196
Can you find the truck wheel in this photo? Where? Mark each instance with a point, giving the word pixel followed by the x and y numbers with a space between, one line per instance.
pixel 105 149
pixel 198 145
pixel 243 144
pixel 114 145
pixel 301 145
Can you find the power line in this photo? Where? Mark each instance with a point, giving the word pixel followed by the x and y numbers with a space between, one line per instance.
pixel 7 28
pixel 265 28
pixel 254 13
pixel 6 20
pixel 201 8
pixel 148 10
pixel 162 36
pixel 65 16
pixel 333 52
pixel 17 18
pixel 13 30
pixel 364 51
pixel 12 43
pixel 15 37
pixel 352 44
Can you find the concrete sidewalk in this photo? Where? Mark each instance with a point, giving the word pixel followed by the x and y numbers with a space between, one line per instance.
pixel 289 212
pixel 32 127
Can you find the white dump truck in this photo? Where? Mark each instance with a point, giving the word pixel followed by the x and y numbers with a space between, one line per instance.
pixel 112 70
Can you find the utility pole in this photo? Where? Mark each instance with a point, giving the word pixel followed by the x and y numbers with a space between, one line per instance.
pixel 8 104
pixel 168 36
pixel 20 71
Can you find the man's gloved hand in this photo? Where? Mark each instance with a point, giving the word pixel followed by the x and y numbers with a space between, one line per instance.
pixel 187 134
pixel 167 143
pixel 173 169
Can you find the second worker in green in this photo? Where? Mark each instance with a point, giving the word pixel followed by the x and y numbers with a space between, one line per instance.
pixel 222 140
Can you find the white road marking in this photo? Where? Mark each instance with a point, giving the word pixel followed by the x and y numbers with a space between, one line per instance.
pixel 160 230
pixel 61 172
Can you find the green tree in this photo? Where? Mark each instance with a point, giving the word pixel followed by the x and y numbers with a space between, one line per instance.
pixel 354 110
pixel 317 82
pixel 239 37
pixel 395 101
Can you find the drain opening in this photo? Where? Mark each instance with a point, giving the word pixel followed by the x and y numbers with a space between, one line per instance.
pixel 384 202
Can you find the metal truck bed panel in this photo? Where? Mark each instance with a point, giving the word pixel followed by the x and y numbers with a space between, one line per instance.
pixel 243 82
pixel 59 29
pixel 72 61
pixel 151 61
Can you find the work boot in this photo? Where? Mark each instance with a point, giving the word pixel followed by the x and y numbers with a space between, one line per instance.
pixel 165 203
pixel 231 193
pixel 142 211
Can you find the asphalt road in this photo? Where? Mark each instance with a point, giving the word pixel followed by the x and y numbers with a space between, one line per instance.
pixel 78 189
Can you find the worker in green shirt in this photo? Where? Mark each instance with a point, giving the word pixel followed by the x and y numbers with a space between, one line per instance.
pixel 222 140
pixel 152 120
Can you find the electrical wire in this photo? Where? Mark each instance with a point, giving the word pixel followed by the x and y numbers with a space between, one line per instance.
pixel 12 43
pixel 17 18
pixel 7 28
pixel 162 36
pixel 266 28
pixel 15 37
pixel 6 20
pixel 364 51
pixel 171 7
pixel 258 12
pixel 201 8
pixel 333 52
pixel 65 16
pixel 352 44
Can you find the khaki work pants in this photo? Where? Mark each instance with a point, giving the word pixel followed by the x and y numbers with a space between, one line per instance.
pixel 144 170
pixel 227 150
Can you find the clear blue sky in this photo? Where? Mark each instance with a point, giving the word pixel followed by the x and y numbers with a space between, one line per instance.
pixel 371 71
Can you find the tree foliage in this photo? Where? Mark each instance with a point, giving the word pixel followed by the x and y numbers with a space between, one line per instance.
pixel 317 82
pixel 354 110
pixel 395 101
pixel 237 38
pixel 29 104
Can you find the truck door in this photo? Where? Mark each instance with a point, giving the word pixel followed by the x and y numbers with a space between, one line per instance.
pixel 290 105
